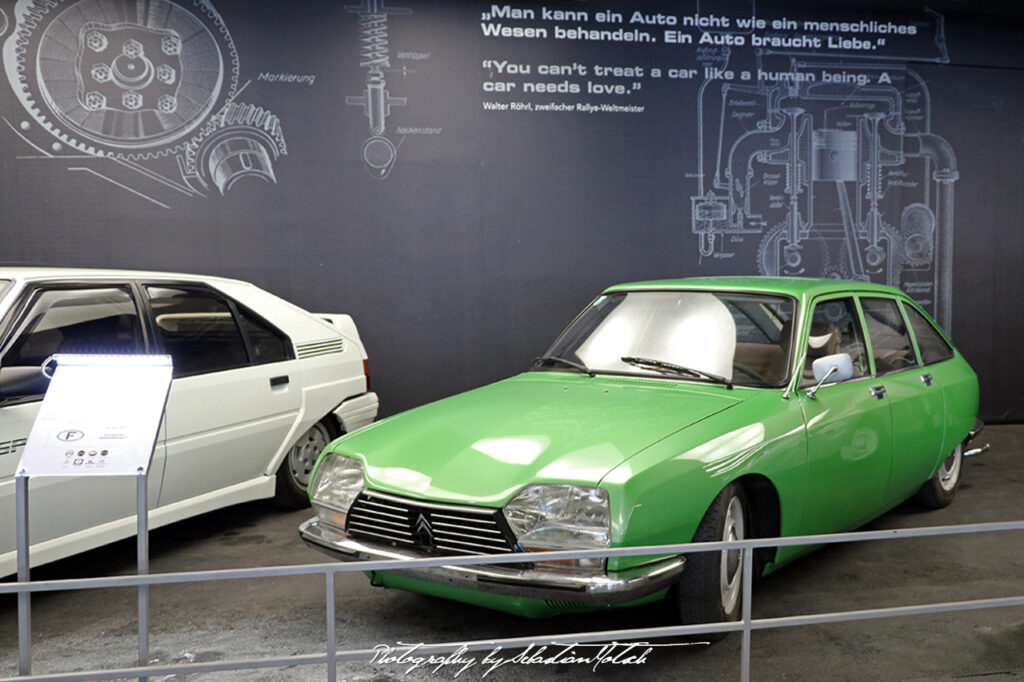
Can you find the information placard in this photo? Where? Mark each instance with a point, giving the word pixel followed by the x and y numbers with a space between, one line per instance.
pixel 100 416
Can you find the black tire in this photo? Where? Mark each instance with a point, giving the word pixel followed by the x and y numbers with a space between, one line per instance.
pixel 939 490
pixel 296 467
pixel 701 593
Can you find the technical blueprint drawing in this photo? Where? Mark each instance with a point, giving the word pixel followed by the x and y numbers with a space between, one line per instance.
pixel 826 165
pixel 378 151
pixel 141 94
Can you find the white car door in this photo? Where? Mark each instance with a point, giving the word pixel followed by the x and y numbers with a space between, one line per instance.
pixel 67 514
pixel 234 398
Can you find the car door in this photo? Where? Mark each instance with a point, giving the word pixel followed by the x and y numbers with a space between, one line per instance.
pixel 64 318
pixel 917 402
pixel 959 388
pixel 234 397
pixel 849 430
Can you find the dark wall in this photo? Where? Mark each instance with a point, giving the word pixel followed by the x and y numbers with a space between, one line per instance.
pixel 420 170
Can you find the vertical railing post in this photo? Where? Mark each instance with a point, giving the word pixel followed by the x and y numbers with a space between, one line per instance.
pixel 332 639
pixel 24 598
pixel 142 513
pixel 748 591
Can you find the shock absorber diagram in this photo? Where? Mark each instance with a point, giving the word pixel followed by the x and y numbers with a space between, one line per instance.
pixel 827 167
pixel 379 152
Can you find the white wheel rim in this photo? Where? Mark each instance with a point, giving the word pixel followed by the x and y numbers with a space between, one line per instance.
pixel 949 472
pixel 730 565
pixel 303 455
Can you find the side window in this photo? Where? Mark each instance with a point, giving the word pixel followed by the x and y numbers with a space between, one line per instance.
pixel 890 341
pixel 76 321
pixel 930 343
pixel 835 329
pixel 197 329
pixel 266 342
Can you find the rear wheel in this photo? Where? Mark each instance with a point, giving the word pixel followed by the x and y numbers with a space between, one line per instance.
pixel 710 589
pixel 938 491
pixel 294 473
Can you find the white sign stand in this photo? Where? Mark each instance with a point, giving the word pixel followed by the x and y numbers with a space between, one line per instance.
pixel 100 417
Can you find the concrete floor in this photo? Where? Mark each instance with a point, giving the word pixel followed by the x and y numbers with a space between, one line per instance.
pixel 230 620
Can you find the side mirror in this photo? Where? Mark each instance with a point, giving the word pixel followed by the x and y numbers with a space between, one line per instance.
pixel 831 369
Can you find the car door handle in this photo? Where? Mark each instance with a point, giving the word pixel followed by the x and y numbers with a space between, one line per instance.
pixel 878 392
pixel 926 379
pixel 279 381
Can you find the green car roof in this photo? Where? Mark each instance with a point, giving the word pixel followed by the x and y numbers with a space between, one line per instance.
pixel 798 287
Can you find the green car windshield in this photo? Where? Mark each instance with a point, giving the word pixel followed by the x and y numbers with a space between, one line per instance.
pixel 723 337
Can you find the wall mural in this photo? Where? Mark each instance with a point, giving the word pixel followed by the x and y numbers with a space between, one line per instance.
pixel 464 176
pixel 144 96
pixel 812 152
pixel 379 152
pixel 831 169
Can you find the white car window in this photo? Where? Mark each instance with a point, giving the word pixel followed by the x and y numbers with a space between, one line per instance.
pixel 68 320
pixel 76 321
pixel 266 343
pixel 197 329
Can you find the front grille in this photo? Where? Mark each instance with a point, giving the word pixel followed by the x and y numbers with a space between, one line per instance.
pixel 430 527
pixel 562 605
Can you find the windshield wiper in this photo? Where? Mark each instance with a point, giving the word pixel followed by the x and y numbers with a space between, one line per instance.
pixel 571 363
pixel 662 366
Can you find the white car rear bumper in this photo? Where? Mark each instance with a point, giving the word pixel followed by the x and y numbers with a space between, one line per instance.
pixel 357 412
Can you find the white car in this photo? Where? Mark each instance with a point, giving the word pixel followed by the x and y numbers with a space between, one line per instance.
pixel 260 387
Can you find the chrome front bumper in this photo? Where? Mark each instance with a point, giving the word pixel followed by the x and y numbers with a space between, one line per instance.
pixel 601 589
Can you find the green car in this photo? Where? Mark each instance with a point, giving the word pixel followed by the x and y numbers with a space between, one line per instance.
pixel 667 412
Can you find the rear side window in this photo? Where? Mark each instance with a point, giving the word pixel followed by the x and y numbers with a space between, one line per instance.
pixel 930 343
pixel 890 340
pixel 266 342
pixel 102 320
pixel 198 330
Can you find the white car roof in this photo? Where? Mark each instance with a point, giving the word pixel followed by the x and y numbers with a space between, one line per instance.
pixel 300 324
pixel 26 273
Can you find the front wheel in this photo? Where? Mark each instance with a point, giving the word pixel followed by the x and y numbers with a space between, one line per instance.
pixel 710 588
pixel 939 490
pixel 294 473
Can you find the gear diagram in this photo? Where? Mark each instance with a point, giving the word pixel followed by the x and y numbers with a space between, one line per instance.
pixel 148 86
pixel 238 144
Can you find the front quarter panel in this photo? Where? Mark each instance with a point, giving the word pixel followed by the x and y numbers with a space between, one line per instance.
pixel 660 495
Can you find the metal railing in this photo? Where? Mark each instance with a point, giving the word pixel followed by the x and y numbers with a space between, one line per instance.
pixel 332 657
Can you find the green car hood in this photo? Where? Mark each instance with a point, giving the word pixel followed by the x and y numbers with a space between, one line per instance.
pixel 483 446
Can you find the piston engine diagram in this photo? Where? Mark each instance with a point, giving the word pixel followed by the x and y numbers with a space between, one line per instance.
pixel 142 95
pixel 827 167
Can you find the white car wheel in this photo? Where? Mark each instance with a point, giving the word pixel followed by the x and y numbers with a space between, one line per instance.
pixel 295 471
